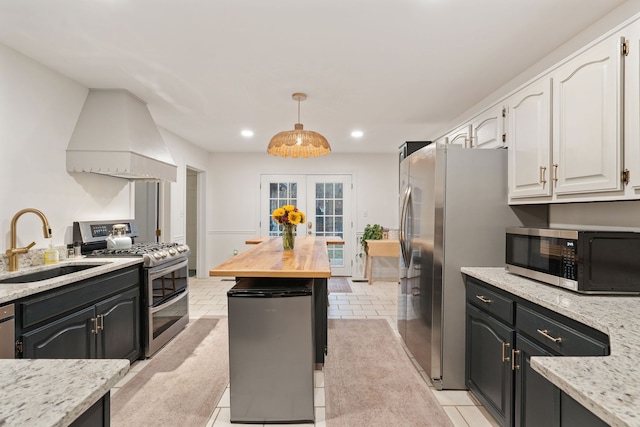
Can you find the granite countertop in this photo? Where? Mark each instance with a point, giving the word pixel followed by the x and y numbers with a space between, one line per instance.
pixel 13 291
pixel 51 393
pixel 609 386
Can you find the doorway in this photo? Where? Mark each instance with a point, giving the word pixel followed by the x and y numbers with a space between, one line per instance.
pixel 191 219
pixel 326 202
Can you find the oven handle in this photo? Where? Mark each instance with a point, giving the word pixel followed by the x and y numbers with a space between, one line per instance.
pixel 173 267
pixel 178 297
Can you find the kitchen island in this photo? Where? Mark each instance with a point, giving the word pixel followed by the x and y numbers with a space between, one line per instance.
pixel 608 386
pixel 309 260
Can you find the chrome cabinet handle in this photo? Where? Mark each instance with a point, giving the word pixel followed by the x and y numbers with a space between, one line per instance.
pixel 545 333
pixel 505 345
pixel 94 328
pixel 483 299
pixel 543 170
pixel 555 173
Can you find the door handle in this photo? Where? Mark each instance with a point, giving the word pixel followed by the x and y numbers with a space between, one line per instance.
pixel 543 171
pixel 505 352
pixel 514 365
pixel 309 228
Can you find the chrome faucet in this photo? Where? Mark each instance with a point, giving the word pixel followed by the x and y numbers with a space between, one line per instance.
pixel 12 253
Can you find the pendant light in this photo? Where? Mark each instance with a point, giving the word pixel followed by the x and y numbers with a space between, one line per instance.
pixel 298 142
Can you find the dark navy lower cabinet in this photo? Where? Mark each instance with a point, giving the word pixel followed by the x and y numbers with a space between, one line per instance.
pixel 93 318
pixel 489 375
pixel 503 333
pixel 536 399
pixel 573 414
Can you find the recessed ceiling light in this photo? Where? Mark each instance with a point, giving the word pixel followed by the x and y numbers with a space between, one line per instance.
pixel 247 133
pixel 357 134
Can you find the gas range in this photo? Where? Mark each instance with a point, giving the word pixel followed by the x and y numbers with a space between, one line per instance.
pixel 154 254
pixel 92 236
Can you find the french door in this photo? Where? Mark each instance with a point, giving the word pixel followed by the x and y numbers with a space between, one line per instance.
pixel 326 202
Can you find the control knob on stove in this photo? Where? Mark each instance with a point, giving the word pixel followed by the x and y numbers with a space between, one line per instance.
pixel 172 251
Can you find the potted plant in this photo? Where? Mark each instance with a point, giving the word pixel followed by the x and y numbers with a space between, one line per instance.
pixel 371 232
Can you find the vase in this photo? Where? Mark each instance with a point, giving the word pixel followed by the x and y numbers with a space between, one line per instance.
pixel 288 236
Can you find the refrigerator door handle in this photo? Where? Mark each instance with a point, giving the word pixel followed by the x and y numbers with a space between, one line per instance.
pixel 405 245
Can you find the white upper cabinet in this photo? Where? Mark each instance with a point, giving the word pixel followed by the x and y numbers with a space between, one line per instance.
pixel 573 133
pixel 487 128
pixel 460 136
pixel 566 133
pixel 529 136
pixel 587 120
pixel 632 109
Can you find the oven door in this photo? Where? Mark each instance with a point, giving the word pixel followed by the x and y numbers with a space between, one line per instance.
pixel 168 312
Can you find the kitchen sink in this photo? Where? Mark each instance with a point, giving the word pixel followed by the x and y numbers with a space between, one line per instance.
pixel 49 273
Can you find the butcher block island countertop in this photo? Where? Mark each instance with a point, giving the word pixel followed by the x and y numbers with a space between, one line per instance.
pixel 309 259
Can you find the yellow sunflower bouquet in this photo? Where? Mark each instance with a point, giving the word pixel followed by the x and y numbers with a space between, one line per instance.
pixel 288 214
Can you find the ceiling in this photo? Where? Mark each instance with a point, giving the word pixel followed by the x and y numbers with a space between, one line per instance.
pixel 398 70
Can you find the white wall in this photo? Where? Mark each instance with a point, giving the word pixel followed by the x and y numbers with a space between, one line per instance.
pixel 233 196
pixel 38 112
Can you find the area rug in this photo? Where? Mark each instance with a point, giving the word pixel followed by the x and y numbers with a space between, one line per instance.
pixel 370 381
pixel 182 384
pixel 339 285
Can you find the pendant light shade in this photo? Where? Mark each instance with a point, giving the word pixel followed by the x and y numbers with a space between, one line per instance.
pixel 299 142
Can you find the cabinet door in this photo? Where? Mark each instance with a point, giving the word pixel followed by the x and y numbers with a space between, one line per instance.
pixel 488 128
pixel 460 136
pixel 488 363
pixel 71 337
pixel 119 321
pixel 587 125
pixel 529 136
pixel 536 399
pixel 573 414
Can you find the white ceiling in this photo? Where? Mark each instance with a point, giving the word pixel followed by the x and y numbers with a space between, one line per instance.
pixel 397 69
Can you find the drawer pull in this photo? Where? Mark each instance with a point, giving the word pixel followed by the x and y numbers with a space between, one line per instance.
pixel 514 365
pixel 545 333
pixel 483 299
pixel 505 345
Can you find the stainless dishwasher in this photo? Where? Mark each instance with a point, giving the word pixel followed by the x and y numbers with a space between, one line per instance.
pixel 271 351
pixel 7 332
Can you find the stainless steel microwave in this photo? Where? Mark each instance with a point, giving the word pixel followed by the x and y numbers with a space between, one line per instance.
pixel 593 262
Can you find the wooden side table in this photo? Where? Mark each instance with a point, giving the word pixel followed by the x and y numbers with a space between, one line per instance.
pixel 331 240
pixel 379 248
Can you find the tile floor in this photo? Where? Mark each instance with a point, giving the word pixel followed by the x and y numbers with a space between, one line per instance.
pixel 377 301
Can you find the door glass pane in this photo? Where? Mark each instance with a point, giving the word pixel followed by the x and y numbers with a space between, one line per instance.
pixel 280 194
pixel 329 218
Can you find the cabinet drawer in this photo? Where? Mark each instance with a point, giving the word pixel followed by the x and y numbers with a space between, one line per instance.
pixel 490 301
pixel 50 305
pixel 557 336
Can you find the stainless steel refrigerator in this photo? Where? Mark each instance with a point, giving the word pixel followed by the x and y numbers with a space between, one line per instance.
pixel 453 213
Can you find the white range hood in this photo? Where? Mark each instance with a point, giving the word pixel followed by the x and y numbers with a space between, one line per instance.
pixel 116 135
